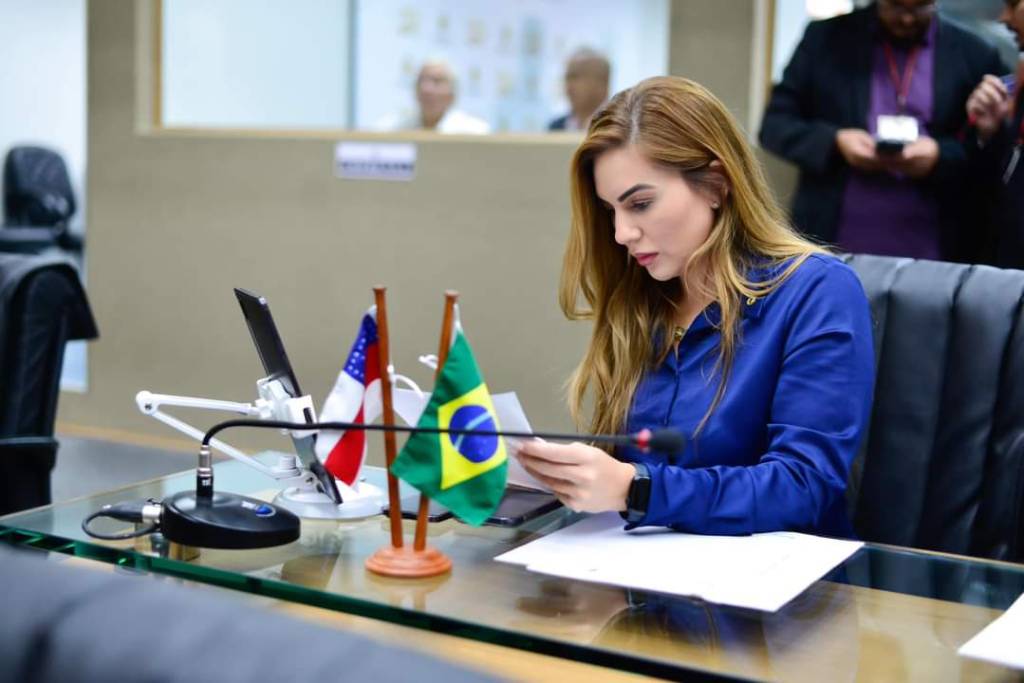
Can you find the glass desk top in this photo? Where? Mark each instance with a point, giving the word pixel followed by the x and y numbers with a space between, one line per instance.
pixel 887 613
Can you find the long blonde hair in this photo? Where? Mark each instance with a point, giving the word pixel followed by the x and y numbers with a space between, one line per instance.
pixel 680 124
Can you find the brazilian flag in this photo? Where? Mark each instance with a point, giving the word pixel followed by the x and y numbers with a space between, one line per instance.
pixel 464 472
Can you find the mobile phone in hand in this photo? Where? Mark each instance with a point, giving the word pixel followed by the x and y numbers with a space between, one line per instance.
pixel 1010 81
pixel 887 148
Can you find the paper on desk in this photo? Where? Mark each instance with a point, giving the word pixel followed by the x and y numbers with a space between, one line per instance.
pixel 512 418
pixel 1002 641
pixel 409 406
pixel 762 572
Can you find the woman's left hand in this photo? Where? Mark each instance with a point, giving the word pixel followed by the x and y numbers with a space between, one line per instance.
pixel 584 478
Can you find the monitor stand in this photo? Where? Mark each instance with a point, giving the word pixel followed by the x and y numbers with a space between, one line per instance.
pixel 305 499
pixel 359 501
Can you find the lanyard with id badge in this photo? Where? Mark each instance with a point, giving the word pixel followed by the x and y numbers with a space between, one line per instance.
pixel 892 133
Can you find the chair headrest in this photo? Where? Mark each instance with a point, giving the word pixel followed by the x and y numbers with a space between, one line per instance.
pixel 37 188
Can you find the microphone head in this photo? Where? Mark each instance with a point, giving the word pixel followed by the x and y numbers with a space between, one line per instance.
pixel 668 441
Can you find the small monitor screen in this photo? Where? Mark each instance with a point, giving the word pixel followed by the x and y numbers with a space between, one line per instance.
pixel 275 361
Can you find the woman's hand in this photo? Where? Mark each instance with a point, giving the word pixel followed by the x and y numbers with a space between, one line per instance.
pixel 584 478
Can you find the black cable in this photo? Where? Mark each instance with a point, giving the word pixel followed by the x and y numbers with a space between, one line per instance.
pixel 666 439
pixel 125 512
pixel 342 426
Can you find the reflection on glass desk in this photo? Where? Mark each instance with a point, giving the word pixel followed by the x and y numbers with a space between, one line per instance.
pixel 885 614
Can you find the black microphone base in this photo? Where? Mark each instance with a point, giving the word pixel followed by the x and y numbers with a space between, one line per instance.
pixel 226 521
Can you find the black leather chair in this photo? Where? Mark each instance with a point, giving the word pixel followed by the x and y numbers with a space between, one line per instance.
pixel 42 306
pixel 62 622
pixel 942 466
pixel 38 202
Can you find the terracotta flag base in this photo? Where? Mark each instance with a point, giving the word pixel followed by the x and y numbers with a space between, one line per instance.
pixel 396 560
pixel 408 563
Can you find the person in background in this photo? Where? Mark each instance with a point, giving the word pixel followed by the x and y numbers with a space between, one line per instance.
pixel 995 139
pixel 587 75
pixel 711 315
pixel 893 58
pixel 435 99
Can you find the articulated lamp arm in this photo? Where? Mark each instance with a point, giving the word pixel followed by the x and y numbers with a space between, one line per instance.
pixel 150 404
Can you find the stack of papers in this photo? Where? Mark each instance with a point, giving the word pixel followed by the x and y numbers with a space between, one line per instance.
pixel 762 572
pixel 1002 641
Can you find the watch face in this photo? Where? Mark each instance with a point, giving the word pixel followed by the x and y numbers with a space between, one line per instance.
pixel 639 493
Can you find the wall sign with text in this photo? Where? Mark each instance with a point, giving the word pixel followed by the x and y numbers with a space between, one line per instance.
pixel 375 160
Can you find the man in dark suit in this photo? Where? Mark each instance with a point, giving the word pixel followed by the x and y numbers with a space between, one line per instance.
pixel 586 86
pixel 995 144
pixel 894 58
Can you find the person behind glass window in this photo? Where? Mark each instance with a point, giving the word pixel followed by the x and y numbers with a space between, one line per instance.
pixel 587 75
pixel 893 61
pixel 436 89
pixel 710 315
pixel 995 140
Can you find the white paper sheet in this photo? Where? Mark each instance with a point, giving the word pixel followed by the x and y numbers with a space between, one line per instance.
pixel 511 417
pixel 409 405
pixel 762 572
pixel 1002 641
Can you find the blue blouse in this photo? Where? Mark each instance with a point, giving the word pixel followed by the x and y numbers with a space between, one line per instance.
pixel 776 452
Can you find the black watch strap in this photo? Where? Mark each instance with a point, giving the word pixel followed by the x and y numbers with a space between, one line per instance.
pixel 639 494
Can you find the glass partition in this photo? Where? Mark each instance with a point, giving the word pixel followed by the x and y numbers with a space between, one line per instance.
pixel 466 66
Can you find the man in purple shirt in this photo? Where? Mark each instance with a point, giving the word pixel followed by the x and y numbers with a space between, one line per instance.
pixel 895 58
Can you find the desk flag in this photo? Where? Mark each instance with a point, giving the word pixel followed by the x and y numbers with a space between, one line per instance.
pixel 465 473
pixel 355 398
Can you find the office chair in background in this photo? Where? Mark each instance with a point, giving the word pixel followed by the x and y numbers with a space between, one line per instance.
pixel 38 202
pixel 942 465
pixel 42 306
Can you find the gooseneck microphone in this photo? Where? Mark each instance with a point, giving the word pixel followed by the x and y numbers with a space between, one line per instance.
pixel 214 519
pixel 209 519
pixel 668 441
pixel 204 518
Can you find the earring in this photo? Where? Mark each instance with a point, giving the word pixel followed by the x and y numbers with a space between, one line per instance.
pixel 714 205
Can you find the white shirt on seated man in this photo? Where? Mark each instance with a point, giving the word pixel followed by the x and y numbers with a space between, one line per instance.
pixel 435 95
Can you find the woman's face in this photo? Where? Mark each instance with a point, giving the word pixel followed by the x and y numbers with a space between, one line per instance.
pixel 657 215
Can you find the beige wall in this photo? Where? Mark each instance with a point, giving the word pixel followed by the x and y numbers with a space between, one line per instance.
pixel 176 221
pixel 710 42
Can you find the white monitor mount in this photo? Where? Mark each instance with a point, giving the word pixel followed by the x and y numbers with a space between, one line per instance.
pixel 301 494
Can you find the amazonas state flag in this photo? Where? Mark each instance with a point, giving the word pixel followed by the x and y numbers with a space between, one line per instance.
pixel 464 472
pixel 354 398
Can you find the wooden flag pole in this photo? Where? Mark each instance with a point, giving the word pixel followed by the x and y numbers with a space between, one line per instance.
pixel 450 297
pixel 397 560
pixel 384 360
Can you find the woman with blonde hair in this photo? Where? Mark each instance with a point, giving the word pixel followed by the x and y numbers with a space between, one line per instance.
pixel 710 315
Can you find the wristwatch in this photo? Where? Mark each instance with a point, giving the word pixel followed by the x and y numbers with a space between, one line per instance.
pixel 639 494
